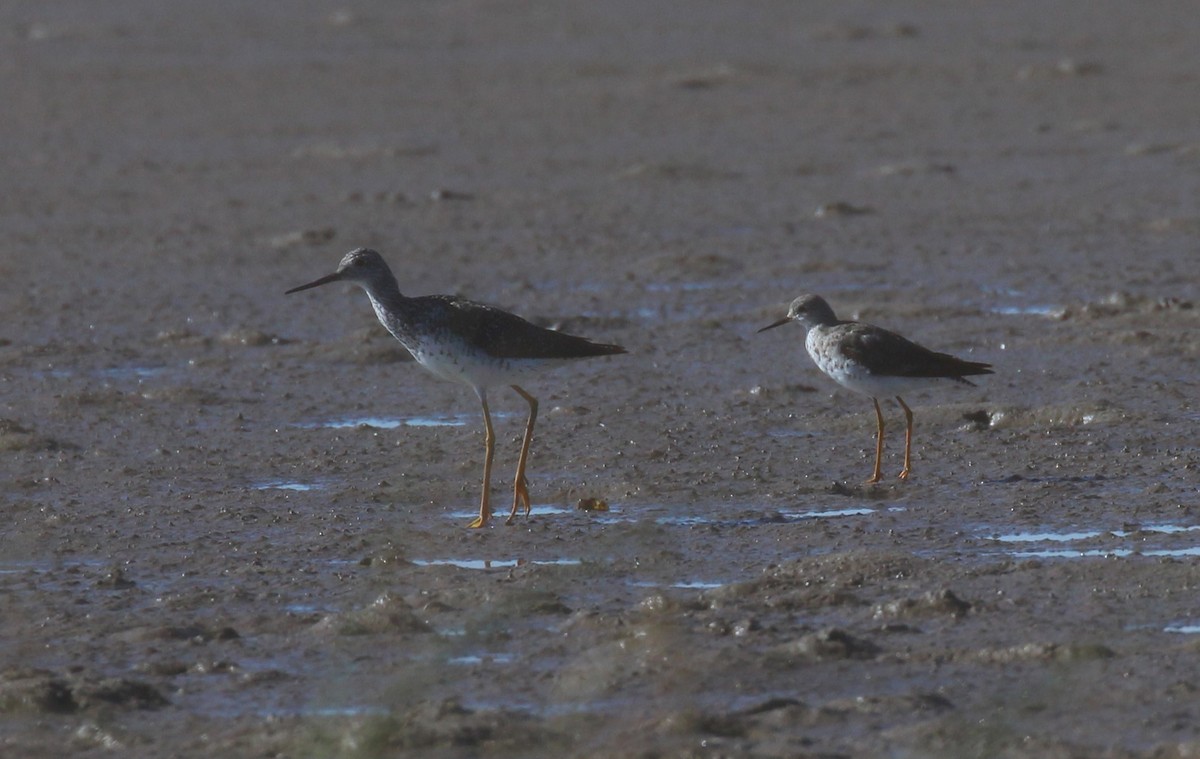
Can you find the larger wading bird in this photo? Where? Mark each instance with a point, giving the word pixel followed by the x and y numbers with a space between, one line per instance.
pixel 470 343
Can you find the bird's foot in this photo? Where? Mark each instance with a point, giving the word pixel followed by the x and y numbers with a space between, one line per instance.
pixel 481 520
pixel 520 499
pixel 904 474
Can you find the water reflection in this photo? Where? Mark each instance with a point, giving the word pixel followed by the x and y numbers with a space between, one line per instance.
pixel 493 563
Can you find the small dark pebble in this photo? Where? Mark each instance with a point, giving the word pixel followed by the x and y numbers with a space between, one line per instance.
pixel 115 579
pixel 591 504
pixel 443 194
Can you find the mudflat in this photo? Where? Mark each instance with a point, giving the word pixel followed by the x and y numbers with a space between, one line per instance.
pixel 234 522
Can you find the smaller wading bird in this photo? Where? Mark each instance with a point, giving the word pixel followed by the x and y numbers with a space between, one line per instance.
pixel 472 343
pixel 875 362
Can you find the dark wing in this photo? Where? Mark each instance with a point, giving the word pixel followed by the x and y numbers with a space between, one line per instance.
pixel 504 335
pixel 887 354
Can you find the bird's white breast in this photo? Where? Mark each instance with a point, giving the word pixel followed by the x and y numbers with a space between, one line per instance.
pixel 459 363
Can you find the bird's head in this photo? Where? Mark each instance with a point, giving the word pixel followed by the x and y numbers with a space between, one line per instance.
pixel 362 266
pixel 809 311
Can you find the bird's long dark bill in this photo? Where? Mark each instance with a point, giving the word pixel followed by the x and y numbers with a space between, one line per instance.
pixel 779 323
pixel 322 281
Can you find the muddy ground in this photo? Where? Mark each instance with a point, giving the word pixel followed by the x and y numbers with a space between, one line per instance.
pixel 234 522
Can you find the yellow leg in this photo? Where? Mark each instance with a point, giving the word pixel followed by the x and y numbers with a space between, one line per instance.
pixel 878 445
pixel 489 442
pixel 907 439
pixel 520 484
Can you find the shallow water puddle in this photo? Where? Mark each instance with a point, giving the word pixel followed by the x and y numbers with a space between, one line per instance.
pixel 1186 629
pixel 748 517
pixel 131 371
pixel 782 516
pixel 682 585
pixel 286 485
pixel 671 516
pixel 1057 538
pixel 471 660
pixel 831 513
pixel 494 563
pixel 392 422
pixel 1046 537
pixel 1034 310
pixel 538 510
pixel 1118 553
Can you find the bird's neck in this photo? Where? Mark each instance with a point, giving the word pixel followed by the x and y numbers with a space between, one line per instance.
pixel 389 304
pixel 825 322
pixel 384 291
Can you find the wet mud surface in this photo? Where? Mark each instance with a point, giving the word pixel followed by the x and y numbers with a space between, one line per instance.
pixel 234 522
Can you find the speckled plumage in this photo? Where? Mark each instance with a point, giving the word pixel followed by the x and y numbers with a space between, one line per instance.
pixel 473 343
pixel 873 361
pixel 467 342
